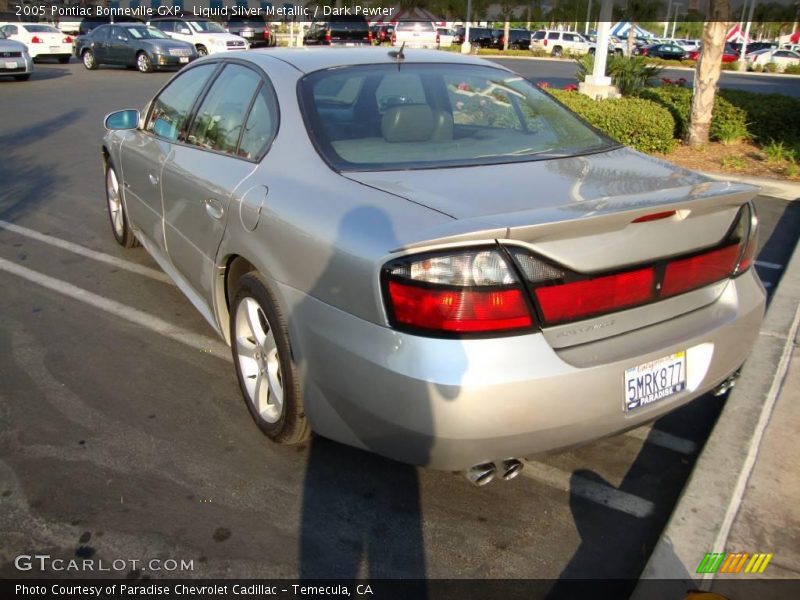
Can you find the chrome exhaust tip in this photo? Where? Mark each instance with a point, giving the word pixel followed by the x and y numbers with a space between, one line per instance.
pixel 726 385
pixel 510 468
pixel 481 474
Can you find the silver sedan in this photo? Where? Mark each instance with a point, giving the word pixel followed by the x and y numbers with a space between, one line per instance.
pixel 15 60
pixel 423 255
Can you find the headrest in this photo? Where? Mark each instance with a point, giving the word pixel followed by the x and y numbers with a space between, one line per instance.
pixel 407 123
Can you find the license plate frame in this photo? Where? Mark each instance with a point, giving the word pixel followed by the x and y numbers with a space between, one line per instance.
pixel 183 59
pixel 654 381
pixel 11 64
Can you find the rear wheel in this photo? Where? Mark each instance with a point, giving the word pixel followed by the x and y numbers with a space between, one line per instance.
pixel 263 361
pixel 143 63
pixel 557 51
pixel 116 211
pixel 89 60
pixel 202 50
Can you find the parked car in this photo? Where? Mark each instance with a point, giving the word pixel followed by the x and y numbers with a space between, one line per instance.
pixel 446 36
pixel 557 43
pixel 780 58
pixel 395 301
pixel 665 51
pixel 339 31
pixel 518 39
pixel 483 37
pixel 15 60
pixel 687 45
pixel 382 34
pixel 132 45
pixel 208 37
pixel 254 30
pixel 43 41
pixel 415 34
pixel 729 54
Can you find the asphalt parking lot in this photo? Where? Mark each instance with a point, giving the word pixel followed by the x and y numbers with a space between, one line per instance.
pixel 124 435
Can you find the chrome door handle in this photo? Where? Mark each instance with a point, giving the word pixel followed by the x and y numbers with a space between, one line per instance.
pixel 214 208
pixel 153 179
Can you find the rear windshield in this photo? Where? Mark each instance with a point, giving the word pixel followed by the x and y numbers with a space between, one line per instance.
pixel 414 26
pixel 379 117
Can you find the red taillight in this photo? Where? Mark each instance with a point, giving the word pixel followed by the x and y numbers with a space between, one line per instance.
pixel 266 34
pixel 369 37
pixel 37 40
pixel 544 42
pixel 458 310
pixel 579 299
pixel 328 36
pixel 696 271
pixel 503 41
pixel 68 40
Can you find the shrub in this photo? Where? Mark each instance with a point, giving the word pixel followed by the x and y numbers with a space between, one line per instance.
pixel 728 122
pixel 736 163
pixel 792 70
pixel 770 68
pixel 768 116
pixel 639 123
pixel 628 74
pixel 778 152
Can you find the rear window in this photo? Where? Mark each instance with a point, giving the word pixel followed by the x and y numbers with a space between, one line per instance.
pixel 426 116
pixel 539 35
pixel 414 26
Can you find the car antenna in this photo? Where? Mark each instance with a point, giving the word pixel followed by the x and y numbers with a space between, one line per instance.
pixel 398 54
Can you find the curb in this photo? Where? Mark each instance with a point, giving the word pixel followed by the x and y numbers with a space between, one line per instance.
pixel 706 509
pixel 776 188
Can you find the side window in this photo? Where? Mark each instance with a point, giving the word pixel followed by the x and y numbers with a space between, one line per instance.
pixel 165 25
pixel 118 34
pixel 220 117
pixel 568 37
pixel 101 33
pixel 552 35
pixel 261 125
pixel 11 30
pixel 539 35
pixel 480 102
pixel 172 107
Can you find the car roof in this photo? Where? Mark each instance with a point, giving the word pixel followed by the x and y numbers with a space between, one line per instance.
pixel 315 59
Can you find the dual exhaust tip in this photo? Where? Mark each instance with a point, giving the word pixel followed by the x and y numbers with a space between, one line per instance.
pixel 484 473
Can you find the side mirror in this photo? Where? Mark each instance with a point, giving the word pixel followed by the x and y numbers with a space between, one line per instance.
pixel 122 119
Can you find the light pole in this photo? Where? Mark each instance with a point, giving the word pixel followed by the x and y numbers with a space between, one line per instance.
pixel 675 19
pixel 743 52
pixel 666 23
pixel 466 47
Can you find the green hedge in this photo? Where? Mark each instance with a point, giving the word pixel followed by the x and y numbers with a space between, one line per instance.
pixel 764 116
pixel 636 122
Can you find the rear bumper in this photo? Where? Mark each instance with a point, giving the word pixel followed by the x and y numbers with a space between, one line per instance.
pixel 450 404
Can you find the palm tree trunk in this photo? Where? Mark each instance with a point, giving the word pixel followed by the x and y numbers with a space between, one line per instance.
pixel 631 37
pixel 706 77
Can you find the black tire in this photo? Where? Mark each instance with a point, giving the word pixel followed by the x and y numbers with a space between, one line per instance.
pixel 143 63
pixel 117 215
pixel 89 60
pixel 22 77
pixel 291 426
pixel 557 51
pixel 202 50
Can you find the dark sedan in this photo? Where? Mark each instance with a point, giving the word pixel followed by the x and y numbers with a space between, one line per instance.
pixel 132 45
pixel 666 51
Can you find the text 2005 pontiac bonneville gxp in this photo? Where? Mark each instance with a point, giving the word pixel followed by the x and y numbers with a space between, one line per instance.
pixel 423 255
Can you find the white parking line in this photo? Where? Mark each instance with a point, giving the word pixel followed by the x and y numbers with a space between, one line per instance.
pixel 587 489
pixel 768 265
pixel 199 342
pixel 663 439
pixel 87 252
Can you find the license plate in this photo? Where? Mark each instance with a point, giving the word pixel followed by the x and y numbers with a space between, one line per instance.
pixel 183 59
pixel 11 64
pixel 349 44
pixel 247 34
pixel 55 48
pixel 654 381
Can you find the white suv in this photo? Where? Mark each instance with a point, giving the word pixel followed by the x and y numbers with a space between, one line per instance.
pixel 557 43
pixel 207 36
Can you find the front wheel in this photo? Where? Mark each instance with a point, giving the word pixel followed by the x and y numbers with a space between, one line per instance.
pixel 89 60
pixel 263 360
pixel 202 50
pixel 143 63
pixel 116 211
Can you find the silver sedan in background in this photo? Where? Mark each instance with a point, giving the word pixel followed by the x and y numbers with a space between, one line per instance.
pixel 423 255
pixel 15 60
